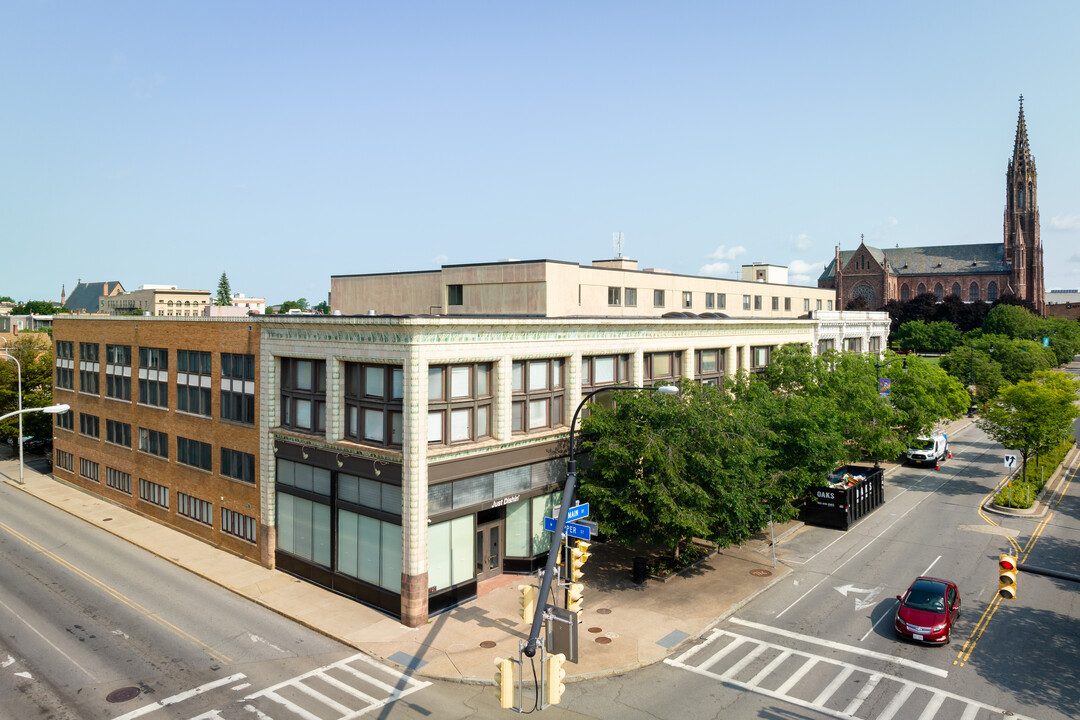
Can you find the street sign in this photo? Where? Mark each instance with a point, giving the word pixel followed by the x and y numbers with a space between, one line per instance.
pixel 578 531
pixel 1010 461
pixel 577 512
pixel 581 532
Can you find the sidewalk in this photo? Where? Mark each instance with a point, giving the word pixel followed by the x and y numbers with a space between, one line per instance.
pixel 624 626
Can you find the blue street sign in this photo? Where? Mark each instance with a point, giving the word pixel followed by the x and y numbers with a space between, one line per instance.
pixel 577 512
pixel 578 531
pixel 571 529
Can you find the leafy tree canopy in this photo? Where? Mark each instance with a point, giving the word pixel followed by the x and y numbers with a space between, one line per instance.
pixel 301 304
pixel 921 336
pixel 224 292
pixel 38 307
pixel 34 353
pixel 1011 321
pixel 1034 415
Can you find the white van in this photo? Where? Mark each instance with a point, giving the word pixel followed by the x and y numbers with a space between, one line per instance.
pixel 928 450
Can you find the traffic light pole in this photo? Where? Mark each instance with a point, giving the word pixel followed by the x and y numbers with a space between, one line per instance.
pixel 1047 572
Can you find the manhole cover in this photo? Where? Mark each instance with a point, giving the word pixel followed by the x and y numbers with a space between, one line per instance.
pixel 761 573
pixel 603 611
pixel 596 630
pixel 603 640
pixel 487 644
pixel 122 695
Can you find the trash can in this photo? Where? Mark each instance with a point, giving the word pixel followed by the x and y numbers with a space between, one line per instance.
pixel 641 570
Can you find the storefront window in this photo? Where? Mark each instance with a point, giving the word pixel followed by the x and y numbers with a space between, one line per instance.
pixel 450 552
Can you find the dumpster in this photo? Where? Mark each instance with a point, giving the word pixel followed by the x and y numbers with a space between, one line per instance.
pixel 852 492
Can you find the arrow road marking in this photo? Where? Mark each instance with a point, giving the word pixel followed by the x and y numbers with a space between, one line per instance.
pixel 871 595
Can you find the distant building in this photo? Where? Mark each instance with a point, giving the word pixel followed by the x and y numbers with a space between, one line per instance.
pixel 86 297
pixel 975 273
pixel 159 300
pixel 554 288
pixel 1063 304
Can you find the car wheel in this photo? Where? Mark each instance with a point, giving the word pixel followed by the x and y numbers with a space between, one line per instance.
pixel 948 636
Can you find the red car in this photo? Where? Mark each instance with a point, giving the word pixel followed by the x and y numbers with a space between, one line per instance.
pixel 928 610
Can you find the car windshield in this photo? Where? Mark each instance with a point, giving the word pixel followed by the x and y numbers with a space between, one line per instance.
pixel 922 444
pixel 930 599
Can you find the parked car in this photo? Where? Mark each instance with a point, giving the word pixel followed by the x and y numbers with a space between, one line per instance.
pixel 928 450
pixel 927 611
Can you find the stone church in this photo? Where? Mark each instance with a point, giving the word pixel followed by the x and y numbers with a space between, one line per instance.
pixel 975 273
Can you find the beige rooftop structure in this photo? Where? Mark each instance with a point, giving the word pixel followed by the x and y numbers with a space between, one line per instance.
pixel 159 300
pixel 554 288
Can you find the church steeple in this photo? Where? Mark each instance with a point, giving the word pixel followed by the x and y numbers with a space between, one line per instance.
pixel 1022 243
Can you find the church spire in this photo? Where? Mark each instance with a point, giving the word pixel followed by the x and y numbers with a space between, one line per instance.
pixel 1021 157
pixel 1022 248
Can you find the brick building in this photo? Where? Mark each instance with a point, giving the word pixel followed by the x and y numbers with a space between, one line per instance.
pixel 975 273
pixel 398 460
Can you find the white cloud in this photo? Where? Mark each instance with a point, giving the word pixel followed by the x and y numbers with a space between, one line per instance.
pixel 725 253
pixel 800 267
pixel 891 222
pixel 717 269
pixel 1069 223
pixel 802 241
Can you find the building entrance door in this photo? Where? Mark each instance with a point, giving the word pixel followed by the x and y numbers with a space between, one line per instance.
pixel 489 549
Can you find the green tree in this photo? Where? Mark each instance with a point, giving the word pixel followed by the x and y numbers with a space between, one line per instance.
pixel 974 361
pixel 1011 321
pixel 34 353
pixel 301 304
pixel 1064 338
pixel 224 292
pixel 931 337
pixel 1034 415
pixel 323 308
pixel 37 307
pixel 922 395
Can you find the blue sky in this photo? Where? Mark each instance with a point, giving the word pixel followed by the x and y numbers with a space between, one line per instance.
pixel 282 143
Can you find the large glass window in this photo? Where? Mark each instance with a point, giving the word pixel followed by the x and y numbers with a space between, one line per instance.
pixel 460 401
pixel 238 465
pixel 451 549
pixel 118 371
pixel 538 391
pixel 193 381
pixel 709 364
pixel 195 453
pixel 303 528
pixel 614 296
pixel 373 403
pixel 154 442
pixel 303 394
pixel 154 376
pixel 663 366
pixel 65 364
pixel 89 368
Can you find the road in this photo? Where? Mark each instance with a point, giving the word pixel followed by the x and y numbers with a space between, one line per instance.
pixel 820 644
pixel 96 628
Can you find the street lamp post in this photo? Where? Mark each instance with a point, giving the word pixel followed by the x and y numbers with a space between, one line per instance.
pixel 50 409
pixel 564 508
pixel 877 371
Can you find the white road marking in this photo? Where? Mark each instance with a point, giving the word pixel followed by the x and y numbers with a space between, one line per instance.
pixel 24 674
pixel 7 662
pixel 842 647
pixel 257 639
pixel 180 697
pixel 69 658
pixel 891 613
pixel 927 570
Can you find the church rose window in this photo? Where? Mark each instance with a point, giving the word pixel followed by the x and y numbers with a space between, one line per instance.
pixel 865 292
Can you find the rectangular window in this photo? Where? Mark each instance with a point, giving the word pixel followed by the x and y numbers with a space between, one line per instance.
pixel 65 364
pixel 825 346
pixel 151 492
pixel 830 304
pixel 710 366
pixel 818 305
pixel 194 453
pixel 663 366
pixel 537 403
pixel 757 302
pixel 194 508
pixel 303 394
pixel 759 357
pixel 459 403
pixel 614 296
pixel 721 301
pixel 455 295
pixel 118 433
pixel 875 345
pixel 238 388
pixel 154 442
pixel 745 302
pixel 89 367
pixel 630 297
pixel 193 362
pixel 118 480
pixel 787 304
pixel 806 304
pixel 658 298
pixel 66 420
pixel 238 465
pixel 710 301
pixel 241 526
pixel 687 300
pixel 88 469
pixel 193 381
pixel 853 344
pixel 89 425
pixel 775 303
pixel 118 371
pixel 65 460
pixel 153 358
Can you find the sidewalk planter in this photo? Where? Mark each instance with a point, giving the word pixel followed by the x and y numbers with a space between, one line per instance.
pixel 853 492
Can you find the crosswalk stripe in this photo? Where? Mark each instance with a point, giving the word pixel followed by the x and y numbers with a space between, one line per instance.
pixel 349 689
pixel 859 699
pixel 773 664
pixel 313 693
pixel 291 706
pixel 721 653
pixel 834 685
pixel 898 700
pixel 747 659
pixel 932 707
pixel 797 675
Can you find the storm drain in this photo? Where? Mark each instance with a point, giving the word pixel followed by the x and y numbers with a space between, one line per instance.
pixel 122 695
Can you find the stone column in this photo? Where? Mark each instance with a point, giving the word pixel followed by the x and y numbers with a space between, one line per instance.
pixel 414 491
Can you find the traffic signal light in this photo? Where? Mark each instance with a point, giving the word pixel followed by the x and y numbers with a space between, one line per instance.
pixel 574 592
pixel 579 555
pixel 528 603
pixel 553 678
pixel 504 682
pixel 1007 576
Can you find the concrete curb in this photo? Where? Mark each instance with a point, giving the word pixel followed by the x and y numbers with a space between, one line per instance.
pixel 1041 506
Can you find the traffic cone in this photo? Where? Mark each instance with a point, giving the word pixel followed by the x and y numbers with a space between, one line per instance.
pixel 937 465
pixel 950 454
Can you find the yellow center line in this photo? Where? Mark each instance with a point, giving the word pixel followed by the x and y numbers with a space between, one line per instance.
pixel 119 596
